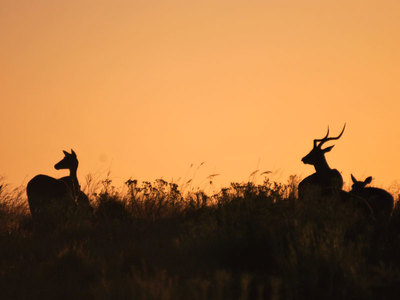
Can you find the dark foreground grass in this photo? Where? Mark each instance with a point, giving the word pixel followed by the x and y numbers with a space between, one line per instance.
pixel 246 242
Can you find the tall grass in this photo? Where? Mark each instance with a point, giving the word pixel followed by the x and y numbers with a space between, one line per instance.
pixel 151 241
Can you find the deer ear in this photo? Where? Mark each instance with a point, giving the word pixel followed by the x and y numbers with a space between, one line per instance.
pixel 73 153
pixel 328 149
pixel 65 152
pixel 368 180
pixel 353 178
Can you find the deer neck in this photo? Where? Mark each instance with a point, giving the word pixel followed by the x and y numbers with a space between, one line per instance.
pixel 72 175
pixel 322 166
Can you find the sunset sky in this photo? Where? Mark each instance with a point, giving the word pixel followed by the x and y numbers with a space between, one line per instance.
pixel 147 88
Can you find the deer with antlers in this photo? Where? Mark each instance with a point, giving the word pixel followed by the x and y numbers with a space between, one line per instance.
pixel 325 181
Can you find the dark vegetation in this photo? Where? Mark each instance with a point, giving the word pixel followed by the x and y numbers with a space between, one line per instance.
pixel 154 242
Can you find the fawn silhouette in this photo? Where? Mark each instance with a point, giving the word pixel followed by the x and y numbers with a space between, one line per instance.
pixel 380 201
pixel 51 198
pixel 325 181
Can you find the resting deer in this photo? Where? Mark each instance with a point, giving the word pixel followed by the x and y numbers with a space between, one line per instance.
pixel 325 181
pixel 380 201
pixel 48 195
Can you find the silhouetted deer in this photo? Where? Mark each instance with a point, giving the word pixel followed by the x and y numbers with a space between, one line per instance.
pixel 380 201
pixel 325 181
pixel 53 198
pixel 70 162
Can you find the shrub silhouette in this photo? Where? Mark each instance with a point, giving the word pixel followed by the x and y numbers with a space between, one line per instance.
pixel 248 241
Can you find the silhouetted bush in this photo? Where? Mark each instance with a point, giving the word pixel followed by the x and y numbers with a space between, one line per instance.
pixel 248 241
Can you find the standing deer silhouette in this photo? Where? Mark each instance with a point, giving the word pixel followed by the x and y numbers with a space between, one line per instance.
pixel 51 198
pixel 380 201
pixel 325 181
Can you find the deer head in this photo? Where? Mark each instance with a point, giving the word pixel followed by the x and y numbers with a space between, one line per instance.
pixel 359 185
pixel 316 157
pixel 69 161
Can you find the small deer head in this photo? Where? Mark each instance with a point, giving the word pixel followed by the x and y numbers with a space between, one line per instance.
pixel 359 185
pixel 316 155
pixel 69 161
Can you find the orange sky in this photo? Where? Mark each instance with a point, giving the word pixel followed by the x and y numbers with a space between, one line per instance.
pixel 146 88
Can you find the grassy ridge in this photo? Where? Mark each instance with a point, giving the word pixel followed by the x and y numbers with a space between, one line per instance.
pixel 246 242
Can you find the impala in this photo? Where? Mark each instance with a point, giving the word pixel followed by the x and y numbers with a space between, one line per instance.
pixel 325 181
pixel 380 201
pixel 51 197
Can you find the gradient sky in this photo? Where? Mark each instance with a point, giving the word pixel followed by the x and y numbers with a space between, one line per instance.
pixel 147 88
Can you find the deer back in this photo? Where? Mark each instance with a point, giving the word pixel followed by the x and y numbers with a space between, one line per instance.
pixel 47 195
pixel 324 184
pixel 380 200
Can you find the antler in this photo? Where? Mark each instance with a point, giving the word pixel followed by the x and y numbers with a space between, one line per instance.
pixel 320 140
pixel 326 138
